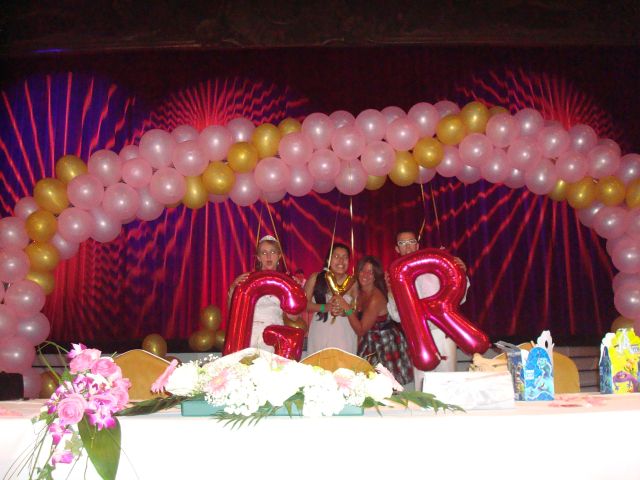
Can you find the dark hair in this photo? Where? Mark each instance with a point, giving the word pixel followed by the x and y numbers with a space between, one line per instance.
pixel 406 230
pixel 321 287
pixel 378 273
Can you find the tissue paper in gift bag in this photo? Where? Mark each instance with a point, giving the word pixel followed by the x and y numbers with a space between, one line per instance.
pixel 471 390
pixel 620 362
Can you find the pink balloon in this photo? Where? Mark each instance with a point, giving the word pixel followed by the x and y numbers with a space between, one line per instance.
pixel 319 128
pixel 215 141
pixel 425 174
pixel 8 321
pixel 572 166
pixel 602 161
pixel 622 278
pixel 14 265
pixel 157 146
pixel 273 197
pixel 468 174
pixel 34 329
pixel 629 169
pixel 16 355
pixel 541 178
pixel 137 172
pixel 85 191
pixel 372 124
pixel 625 255
pixel 189 159
pixel 352 178
pixel 271 174
pixel 523 153
pixel 553 141
pixel 167 186
pixel 25 297
pixel 25 207
pixel 295 149
pixel 475 149
pixel 583 138
pixel 148 208
pixel 245 192
pixel 66 249
pixel 129 152
pixel 105 227
pixel 587 215
pixel 348 142
pixel 184 133
pixel 402 134
pixel 446 107
pixel 13 233
pixel 607 142
pixel 106 166
pixel 426 118
pixel 121 201
pixel 450 165
pixel 1 291
pixel 392 113
pixel 633 226
pixel 323 186
pixel 213 198
pixel 497 167
pixel 31 383
pixel 342 118
pixel 529 121
pixel 241 129
pixel 75 224
pixel 515 178
pixel 627 301
pixel 611 222
pixel 324 165
pixel 502 129
pixel 378 158
pixel 300 181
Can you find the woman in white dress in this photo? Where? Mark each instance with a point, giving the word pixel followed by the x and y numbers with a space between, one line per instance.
pixel 267 311
pixel 329 328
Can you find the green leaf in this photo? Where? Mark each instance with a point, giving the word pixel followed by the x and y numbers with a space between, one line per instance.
pixel 102 446
pixel 152 405
pixel 424 400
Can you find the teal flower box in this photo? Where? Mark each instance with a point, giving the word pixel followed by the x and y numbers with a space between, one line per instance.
pixel 200 408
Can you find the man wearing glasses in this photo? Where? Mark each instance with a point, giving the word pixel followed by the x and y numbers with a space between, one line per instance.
pixel 426 285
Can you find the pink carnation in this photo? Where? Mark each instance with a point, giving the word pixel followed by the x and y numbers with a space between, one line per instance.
pixel 71 409
pixel 84 361
pixel 122 397
pixel 105 367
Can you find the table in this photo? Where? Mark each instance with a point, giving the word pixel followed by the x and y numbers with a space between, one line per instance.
pixel 532 441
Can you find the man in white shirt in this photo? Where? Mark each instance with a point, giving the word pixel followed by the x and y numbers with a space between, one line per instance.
pixel 426 285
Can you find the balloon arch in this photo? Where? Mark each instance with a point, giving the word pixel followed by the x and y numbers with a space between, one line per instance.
pixel 245 163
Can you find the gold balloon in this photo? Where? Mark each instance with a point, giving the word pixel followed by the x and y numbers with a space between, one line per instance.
pixel 218 178
pixel 41 225
pixel 496 110
pixel 45 279
pixel 582 193
pixel 296 323
pixel 51 194
pixel 632 196
pixel 289 125
pixel 48 384
pixel 210 318
pixel 196 195
pixel 43 257
pixel 266 138
pixel 451 130
pixel 621 322
pixel 428 152
pixel 175 204
pixel 475 116
pixel 202 340
pixel 69 167
pixel 375 182
pixel 242 157
pixel 218 341
pixel 405 170
pixel 611 191
pixel 154 343
pixel 559 192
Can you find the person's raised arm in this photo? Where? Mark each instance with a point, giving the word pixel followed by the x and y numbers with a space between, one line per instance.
pixel 238 280
pixel 370 314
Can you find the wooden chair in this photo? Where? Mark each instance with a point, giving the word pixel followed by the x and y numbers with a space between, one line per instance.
pixel 142 369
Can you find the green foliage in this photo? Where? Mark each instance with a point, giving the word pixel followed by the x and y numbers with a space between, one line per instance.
pixel 102 446
pixel 152 405
pixel 424 400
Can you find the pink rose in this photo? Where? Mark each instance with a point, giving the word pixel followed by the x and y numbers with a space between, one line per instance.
pixel 84 361
pixel 105 367
pixel 122 397
pixel 122 382
pixel 71 409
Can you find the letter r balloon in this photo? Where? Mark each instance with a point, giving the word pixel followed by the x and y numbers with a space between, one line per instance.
pixel 441 308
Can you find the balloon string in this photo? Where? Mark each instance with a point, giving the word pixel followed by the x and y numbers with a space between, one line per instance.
pixel 353 243
pixel 424 214
pixel 259 223
pixel 333 235
pixel 435 212
pixel 275 232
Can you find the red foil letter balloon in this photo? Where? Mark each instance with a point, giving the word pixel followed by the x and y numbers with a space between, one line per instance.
pixel 287 341
pixel 441 308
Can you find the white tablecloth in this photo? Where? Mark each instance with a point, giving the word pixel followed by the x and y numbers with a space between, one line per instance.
pixel 532 441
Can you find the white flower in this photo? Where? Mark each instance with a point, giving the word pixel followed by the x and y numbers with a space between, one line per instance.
pixel 184 380
pixel 321 394
pixel 351 385
pixel 381 369
pixel 378 387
